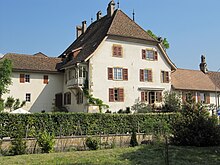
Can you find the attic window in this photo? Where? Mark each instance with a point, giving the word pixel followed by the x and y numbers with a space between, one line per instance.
pixel 117 51
pixel 149 54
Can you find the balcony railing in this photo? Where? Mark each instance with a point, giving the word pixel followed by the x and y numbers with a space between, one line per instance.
pixel 76 82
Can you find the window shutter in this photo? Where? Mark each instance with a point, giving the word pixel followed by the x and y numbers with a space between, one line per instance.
pixel 21 78
pixel 121 94
pixel 159 96
pixel 110 73
pixel 198 97
pixel 150 78
pixel 45 79
pixel 143 54
pixel 141 75
pixel 119 51
pixel 155 56
pixel 167 78
pixel 111 95
pixel 125 74
pixel 207 98
pixel 142 96
pixel 114 51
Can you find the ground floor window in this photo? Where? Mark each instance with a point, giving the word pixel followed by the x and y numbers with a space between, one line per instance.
pixel 67 98
pixel 151 96
pixel 79 98
pixel 28 97
pixel 116 95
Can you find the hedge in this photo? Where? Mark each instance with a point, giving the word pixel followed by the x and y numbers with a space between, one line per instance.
pixel 68 124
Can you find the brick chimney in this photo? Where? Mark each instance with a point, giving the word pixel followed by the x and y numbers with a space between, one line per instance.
pixel 99 15
pixel 78 31
pixel 203 65
pixel 111 8
pixel 84 27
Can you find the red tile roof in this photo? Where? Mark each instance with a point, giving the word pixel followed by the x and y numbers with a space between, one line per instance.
pixel 183 79
pixel 37 62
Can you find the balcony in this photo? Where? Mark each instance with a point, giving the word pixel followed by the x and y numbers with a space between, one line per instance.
pixel 76 82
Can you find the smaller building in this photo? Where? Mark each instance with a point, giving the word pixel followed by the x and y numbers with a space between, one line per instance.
pixel 35 80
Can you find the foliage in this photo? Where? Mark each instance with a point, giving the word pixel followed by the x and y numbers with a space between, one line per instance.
pixel 1 105
pixel 12 103
pixel 194 127
pixel 67 124
pixel 46 141
pixel 5 75
pixel 18 146
pixel 133 141
pixel 164 42
pixel 92 143
pixel 141 107
pixel 121 111
pixel 172 102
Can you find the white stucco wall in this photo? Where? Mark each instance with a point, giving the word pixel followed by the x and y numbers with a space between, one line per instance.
pixel 132 59
pixel 42 95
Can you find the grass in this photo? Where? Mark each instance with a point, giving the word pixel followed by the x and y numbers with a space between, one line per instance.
pixel 142 155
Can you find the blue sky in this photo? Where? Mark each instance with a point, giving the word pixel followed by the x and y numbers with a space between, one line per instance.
pixel 192 27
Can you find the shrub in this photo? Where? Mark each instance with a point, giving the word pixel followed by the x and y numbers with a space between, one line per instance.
pixel 194 127
pixel 18 146
pixel 45 141
pixel 1 104
pixel 141 107
pixel 133 141
pixel 172 102
pixel 92 143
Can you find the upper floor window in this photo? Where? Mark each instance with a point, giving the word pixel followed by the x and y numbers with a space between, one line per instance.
pixel 117 51
pixel 24 78
pixel 46 79
pixel 116 95
pixel 149 55
pixel 117 74
pixel 82 71
pixel 28 97
pixel 165 78
pixel 146 75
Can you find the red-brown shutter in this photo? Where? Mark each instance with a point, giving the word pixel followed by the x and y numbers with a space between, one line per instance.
pixel 141 75
pixel 198 97
pixel 21 78
pixel 150 78
pixel 167 78
pixel 207 98
pixel 125 74
pixel 45 79
pixel 115 50
pixel 119 51
pixel 155 56
pixel 142 96
pixel 111 95
pixel 121 94
pixel 143 54
pixel 159 96
pixel 110 73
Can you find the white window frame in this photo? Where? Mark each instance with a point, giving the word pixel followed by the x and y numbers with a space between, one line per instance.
pixel 27 78
pixel 150 55
pixel 118 73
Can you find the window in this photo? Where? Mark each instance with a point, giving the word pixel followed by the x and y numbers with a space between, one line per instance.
pixel 165 78
pixel 149 55
pixel 203 98
pixel 46 79
pixel 117 74
pixel 67 98
pixel 79 98
pixel 82 72
pixel 117 51
pixel 146 75
pixel 151 96
pixel 24 78
pixel 116 95
pixel 28 97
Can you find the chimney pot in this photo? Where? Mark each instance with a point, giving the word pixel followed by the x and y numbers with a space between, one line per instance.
pixel 99 15
pixel 84 27
pixel 203 65
pixel 78 31
pixel 111 8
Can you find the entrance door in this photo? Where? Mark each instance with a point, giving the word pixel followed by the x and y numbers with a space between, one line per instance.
pixel 59 100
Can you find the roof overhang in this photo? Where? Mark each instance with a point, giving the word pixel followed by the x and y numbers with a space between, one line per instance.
pixel 151 88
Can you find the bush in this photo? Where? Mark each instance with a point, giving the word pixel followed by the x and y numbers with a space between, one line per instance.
pixel 194 127
pixel 45 141
pixel 1 104
pixel 92 143
pixel 141 107
pixel 133 141
pixel 172 102
pixel 18 146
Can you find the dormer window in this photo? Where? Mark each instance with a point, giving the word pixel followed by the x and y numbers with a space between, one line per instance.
pixel 149 54
pixel 117 51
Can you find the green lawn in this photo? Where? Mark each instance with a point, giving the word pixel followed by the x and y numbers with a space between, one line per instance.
pixel 146 155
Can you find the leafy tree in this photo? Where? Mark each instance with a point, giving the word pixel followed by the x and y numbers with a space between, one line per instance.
pixel 172 102
pixel 5 75
pixel 164 42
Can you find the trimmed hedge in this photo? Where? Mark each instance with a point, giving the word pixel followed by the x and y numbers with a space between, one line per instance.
pixel 67 124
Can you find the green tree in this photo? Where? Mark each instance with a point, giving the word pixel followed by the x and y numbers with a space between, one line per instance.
pixel 164 42
pixel 172 102
pixel 5 75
